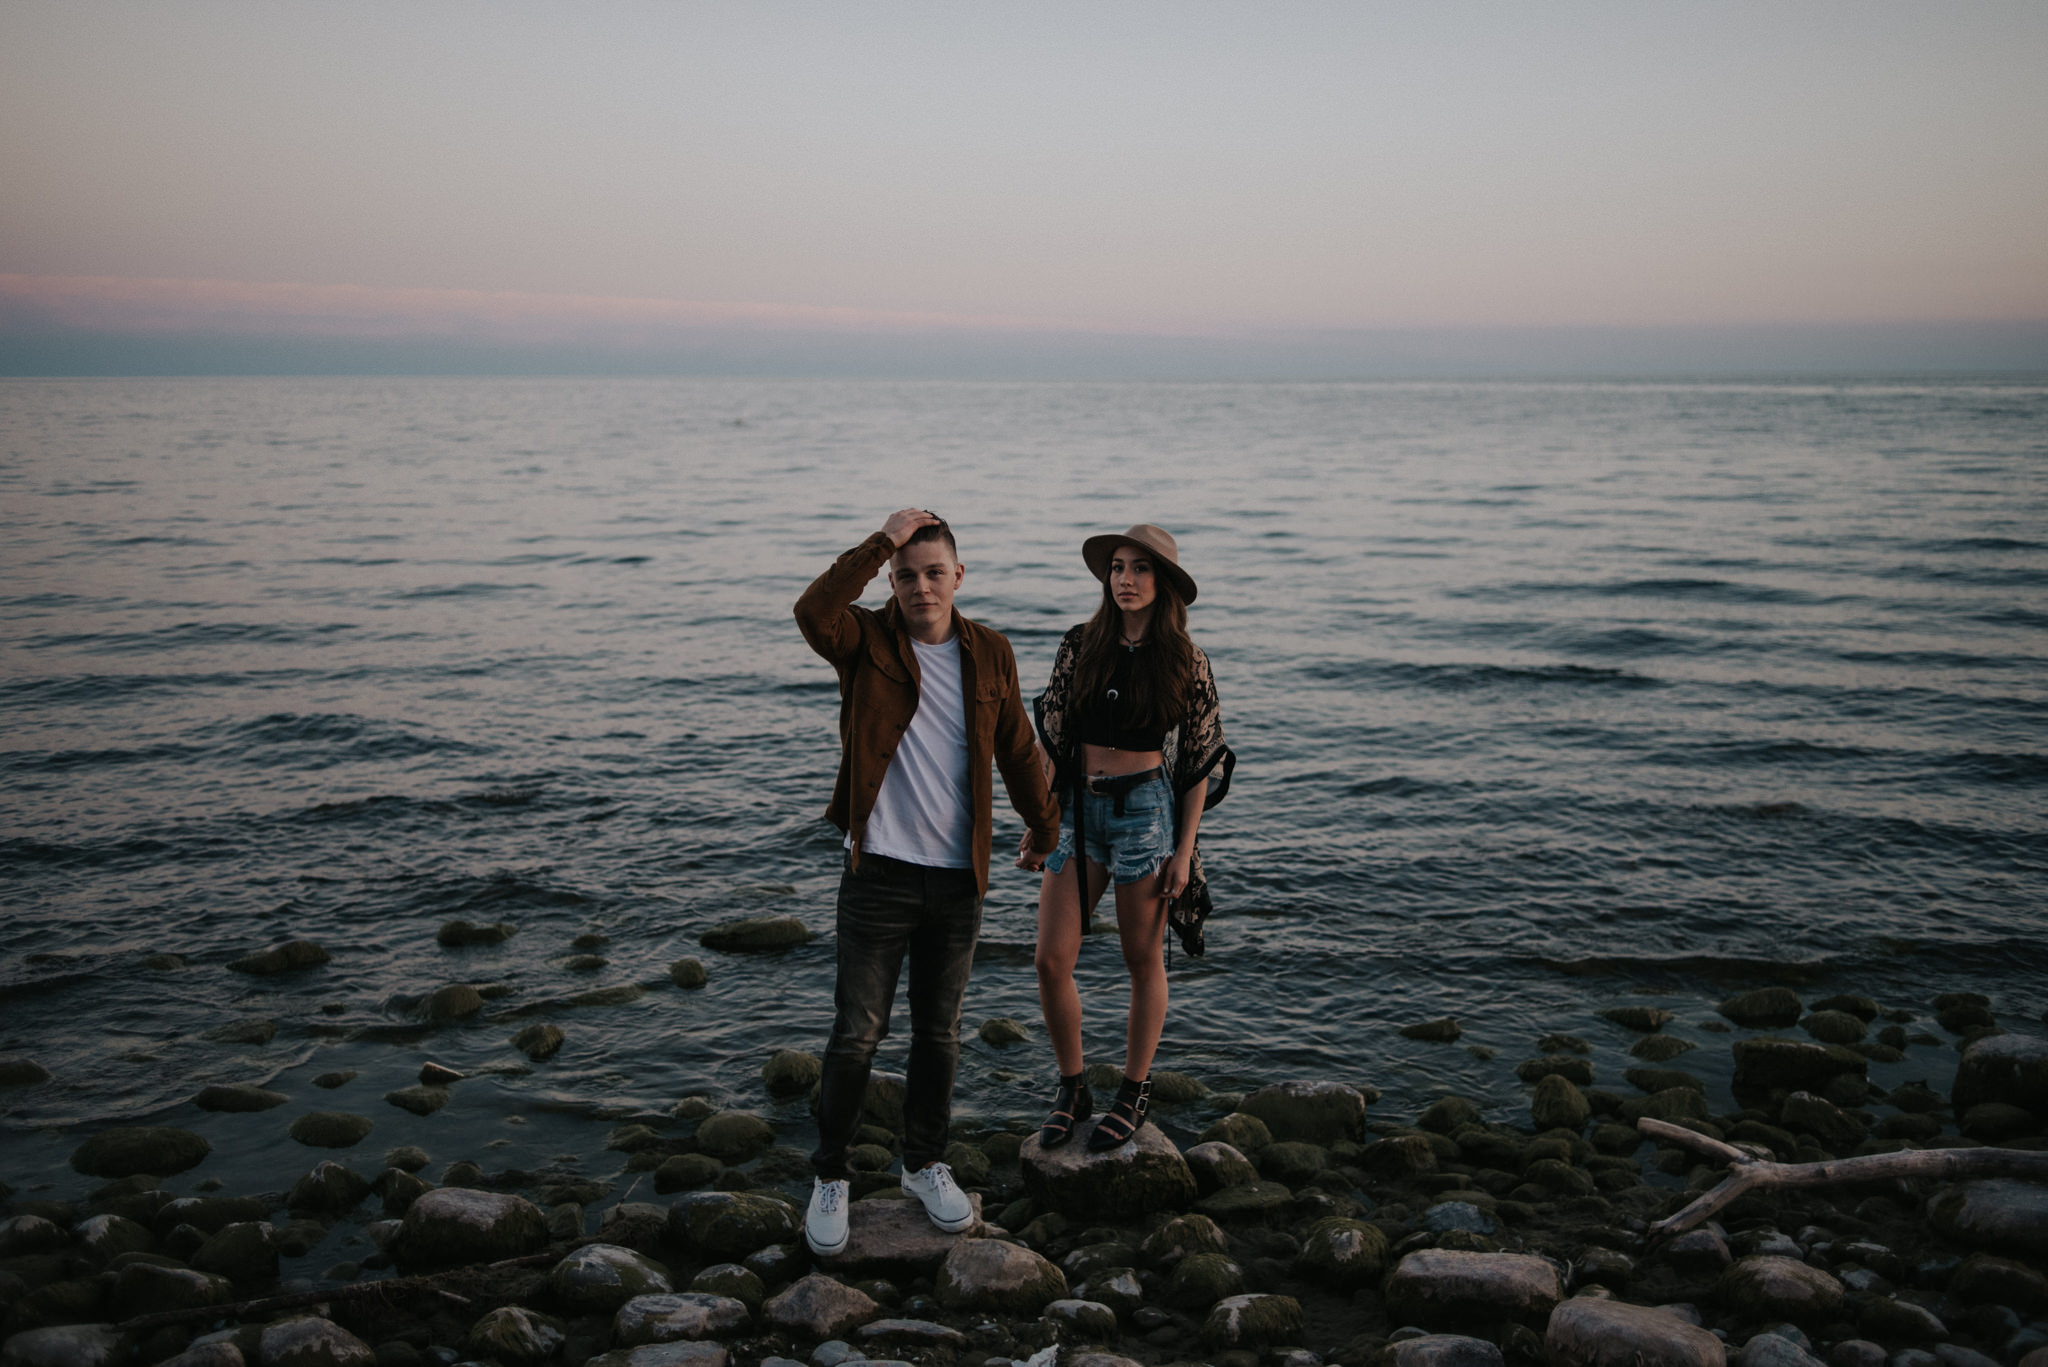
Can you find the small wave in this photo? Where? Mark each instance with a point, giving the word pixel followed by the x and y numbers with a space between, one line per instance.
pixel 316 740
pixel 187 634
pixel 495 893
pixel 469 590
pixel 1458 678
pixel 2018 769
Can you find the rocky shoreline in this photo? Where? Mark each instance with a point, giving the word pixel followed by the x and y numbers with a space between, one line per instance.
pixel 1300 1226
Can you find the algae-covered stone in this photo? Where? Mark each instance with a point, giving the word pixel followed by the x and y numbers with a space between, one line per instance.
pixel 419 1098
pixel 1766 1287
pixel 458 934
pixel 734 1282
pixel 1645 1020
pixel 516 1335
pixel 1578 1071
pixel 1834 1027
pixel 126 1150
pixel 1452 1288
pixel 1663 1079
pixel 1143 1175
pixel 756 935
pixel 791 1072
pixel 284 957
pixel 1292 1162
pixel 26 1236
pixel 1252 1321
pixel 669 1317
pixel 68 1345
pixel 1248 1203
pixel 1245 1133
pixel 729 1224
pixel 539 1041
pixel 735 1136
pixel 2012 1069
pixel 245 1251
pixel 1440 1350
pixel 688 973
pixel 311 1341
pixel 991 1277
pixel 599 1278
pixel 686 1172
pixel 1765 1008
pixel 331 1129
pixel 1443 1030
pixel 456 1226
pixel 237 1097
pixel 1660 1048
pixel 1559 1105
pixel 816 1307
pixel 1323 1113
pixel 1217 1165
pixel 146 1289
pixel 254 1030
pixel 456 1001
pixel 1181 1236
pixel 1342 1252
pixel 1591 1331
pixel 1768 1061
pixel 1672 1104
pixel 102 1238
pixel 1448 1114
pixel 18 1071
pixel 1001 1032
pixel 1834 1127
pixel 329 1189
pixel 1995 1213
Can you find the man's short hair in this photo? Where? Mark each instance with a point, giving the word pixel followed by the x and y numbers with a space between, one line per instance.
pixel 934 531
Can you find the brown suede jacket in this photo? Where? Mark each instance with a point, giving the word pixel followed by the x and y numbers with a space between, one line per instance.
pixel 878 683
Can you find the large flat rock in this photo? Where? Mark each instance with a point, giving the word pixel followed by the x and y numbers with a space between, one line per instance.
pixel 1142 1176
pixel 886 1235
pixel 1589 1331
pixel 2008 1068
pixel 1453 1289
pixel 2002 1213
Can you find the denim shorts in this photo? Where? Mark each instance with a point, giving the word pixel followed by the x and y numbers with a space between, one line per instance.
pixel 1131 846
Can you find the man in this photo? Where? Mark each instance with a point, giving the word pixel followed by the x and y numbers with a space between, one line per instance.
pixel 926 699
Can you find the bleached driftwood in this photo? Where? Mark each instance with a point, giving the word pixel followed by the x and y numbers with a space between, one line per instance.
pixel 1748 1172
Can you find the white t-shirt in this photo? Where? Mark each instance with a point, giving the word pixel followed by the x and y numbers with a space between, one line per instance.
pixel 921 814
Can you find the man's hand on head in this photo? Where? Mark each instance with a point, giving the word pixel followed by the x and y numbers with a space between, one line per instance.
pixel 904 522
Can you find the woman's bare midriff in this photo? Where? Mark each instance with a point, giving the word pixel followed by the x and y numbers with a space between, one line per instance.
pixel 1104 761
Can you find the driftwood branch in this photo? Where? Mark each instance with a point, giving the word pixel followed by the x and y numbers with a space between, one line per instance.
pixel 1748 1172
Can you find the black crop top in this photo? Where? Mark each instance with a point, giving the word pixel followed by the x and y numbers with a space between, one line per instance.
pixel 1102 718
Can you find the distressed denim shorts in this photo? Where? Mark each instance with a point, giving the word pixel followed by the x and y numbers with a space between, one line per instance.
pixel 1131 846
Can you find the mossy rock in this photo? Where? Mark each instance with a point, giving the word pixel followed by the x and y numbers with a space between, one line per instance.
pixel 284 957
pixel 1770 1008
pixel 331 1129
pixel 125 1150
pixel 1342 1252
pixel 459 934
pixel 688 973
pixel 756 935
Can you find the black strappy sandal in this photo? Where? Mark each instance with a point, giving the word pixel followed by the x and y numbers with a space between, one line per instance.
pixel 1124 1118
pixel 1071 1105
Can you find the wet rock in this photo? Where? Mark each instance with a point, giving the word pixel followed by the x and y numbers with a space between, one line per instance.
pixel 816 1307
pixel 438 1075
pixel 688 973
pixel 1837 1130
pixel 1002 1032
pixel 1660 1048
pixel 458 934
pixel 456 1001
pixel 1578 1071
pixel 2000 1281
pixel 245 1251
pixel 1774 1348
pixel 1596 1332
pixel 1170 1088
pixel 2012 1069
pixel 887 1236
pixel 255 1030
pixel 1441 1031
pixel 238 1096
pixel 1767 1287
pixel 909 1333
pixel 26 1235
pixel 406 1157
pixel 1216 1165
pixel 126 1150
pixel 1180 1236
pixel 1143 1175
pixel 735 1136
pixel 1252 1321
pixel 147 1289
pixel 205 1353
pixel 313 1342
pixel 1440 1350
pixel 331 1129
pixel 682 1353
pixel 1323 1113
pixel 1768 1061
pixel 1765 1008
pixel 638 1225
pixel 791 1072
pixel 1201 1279
pixel 727 1224
pixel 419 1099
pixel 1834 1027
pixel 1856 1353
pixel 2001 1213
pixel 1673 1104
pixel 733 1281
pixel 1896 1321
pixel 1082 1321
pixel 1994 1122
pixel 210 1214
pixel 1447 1216
pixel 599 1278
pixel 17 1070
pixel 1448 1114
pixel 991 1277
pixel 68 1345
pixel 1448 1288
pixel 1342 1252
pixel 1251 1202
pixel 284 957
pixel 102 1238
pixel 1245 1133
pixel 686 1172
pixel 539 1041
pixel 756 935
pixel 1559 1105
pixel 1698 1252
pixel 1645 1020
pixel 1662 1079
pixel 1292 1162
pixel 516 1335
pixel 456 1226
pixel 666 1318
pixel 339 1077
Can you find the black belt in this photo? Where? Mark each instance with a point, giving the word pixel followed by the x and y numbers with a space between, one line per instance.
pixel 1116 786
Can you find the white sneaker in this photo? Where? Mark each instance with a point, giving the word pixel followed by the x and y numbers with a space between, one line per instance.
pixel 825 1222
pixel 943 1200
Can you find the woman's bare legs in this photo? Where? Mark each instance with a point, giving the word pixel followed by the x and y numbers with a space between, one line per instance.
pixel 1059 949
pixel 1141 925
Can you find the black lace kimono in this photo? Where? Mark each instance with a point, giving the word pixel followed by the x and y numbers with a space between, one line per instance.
pixel 1194 752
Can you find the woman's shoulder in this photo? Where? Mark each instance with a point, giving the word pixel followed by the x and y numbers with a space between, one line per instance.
pixel 1073 636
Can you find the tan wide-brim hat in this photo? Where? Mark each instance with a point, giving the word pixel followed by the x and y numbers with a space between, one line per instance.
pixel 1154 541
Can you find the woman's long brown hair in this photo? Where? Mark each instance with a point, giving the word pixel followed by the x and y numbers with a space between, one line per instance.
pixel 1161 675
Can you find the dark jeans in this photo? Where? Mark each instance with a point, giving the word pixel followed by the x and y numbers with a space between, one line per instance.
pixel 888 908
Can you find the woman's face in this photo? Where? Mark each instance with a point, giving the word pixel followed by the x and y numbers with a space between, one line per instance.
pixel 1131 581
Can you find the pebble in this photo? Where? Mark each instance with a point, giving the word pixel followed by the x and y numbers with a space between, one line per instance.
pixel 818 1307
pixel 688 1315
pixel 1313 1112
pixel 993 1277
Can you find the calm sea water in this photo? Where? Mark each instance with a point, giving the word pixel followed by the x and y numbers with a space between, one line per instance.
pixel 1547 697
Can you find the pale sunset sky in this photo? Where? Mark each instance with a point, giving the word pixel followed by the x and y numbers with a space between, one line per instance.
pixel 1153 188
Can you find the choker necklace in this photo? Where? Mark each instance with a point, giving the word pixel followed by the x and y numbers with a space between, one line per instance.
pixel 1129 644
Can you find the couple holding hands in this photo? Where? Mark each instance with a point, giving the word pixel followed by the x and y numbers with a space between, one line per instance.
pixel 1128 753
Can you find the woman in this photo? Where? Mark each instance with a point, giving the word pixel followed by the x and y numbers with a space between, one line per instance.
pixel 1131 727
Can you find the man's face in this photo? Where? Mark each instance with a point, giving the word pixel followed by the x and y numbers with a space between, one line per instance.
pixel 923 577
